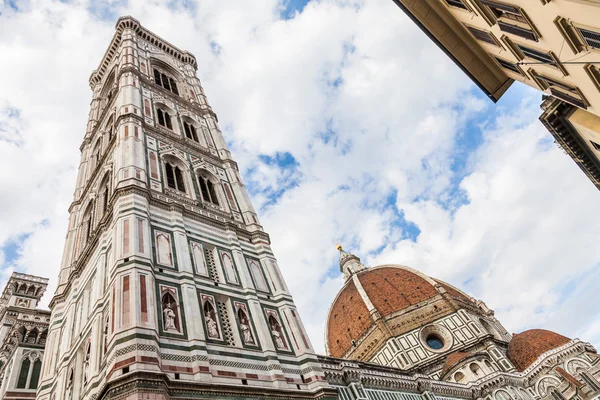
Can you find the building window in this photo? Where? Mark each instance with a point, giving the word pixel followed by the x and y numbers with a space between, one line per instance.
pixel 508 65
pixel 174 177
pixel 594 74
pixel 457 4
pixel 595 145
pixel 207 189
pixel 165 81
pixel 482 35
pixel 190 131
pixel 511 19
pixel 545 57
pixel 591 38
pixel 164 118
pixel 561 90
pixel 434 341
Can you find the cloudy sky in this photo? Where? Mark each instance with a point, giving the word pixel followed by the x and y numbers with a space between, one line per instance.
pixel 348 124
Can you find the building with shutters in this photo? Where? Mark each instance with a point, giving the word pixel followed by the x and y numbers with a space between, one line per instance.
pixel 168 288
pixel 550 45
pixel 23 333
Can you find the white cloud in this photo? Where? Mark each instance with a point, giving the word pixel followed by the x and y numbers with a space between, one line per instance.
pixel 373 115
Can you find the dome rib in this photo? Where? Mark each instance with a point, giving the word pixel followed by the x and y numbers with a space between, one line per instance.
pixel 389 288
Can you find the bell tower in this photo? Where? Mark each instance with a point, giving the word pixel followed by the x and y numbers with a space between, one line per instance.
pixel 168 284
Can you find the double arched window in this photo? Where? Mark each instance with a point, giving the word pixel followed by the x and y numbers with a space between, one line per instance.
pixel 174 177
pixel 190 131
pixel 29 375
pixel 164 118
pixel 165 81
pixel 207 189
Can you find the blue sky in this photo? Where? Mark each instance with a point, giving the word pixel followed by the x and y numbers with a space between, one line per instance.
pixel 348 125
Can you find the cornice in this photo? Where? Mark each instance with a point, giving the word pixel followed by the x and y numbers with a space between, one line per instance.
pixel 340 371
pixel 128 22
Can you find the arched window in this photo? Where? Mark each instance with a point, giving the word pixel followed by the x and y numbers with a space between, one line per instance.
pixel 488 365
pixel 88 221
pixel 165 81
pixel 86 363
pixel 459 377
pixel 24 373
pixel 174 177
pixel 190 131
pixel 475 369
pixel 207 189
pixel 35 374
pixel 164 118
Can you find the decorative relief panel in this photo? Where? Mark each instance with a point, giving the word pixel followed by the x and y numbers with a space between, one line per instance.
pixel 229 269
pixel 198 258
pixel 163 248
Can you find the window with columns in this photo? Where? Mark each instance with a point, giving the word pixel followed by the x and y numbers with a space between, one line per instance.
pixel 174 177
pixel 167 82
pixel 207 189
pixel 29 375
pixel 164 118
pixel 190 131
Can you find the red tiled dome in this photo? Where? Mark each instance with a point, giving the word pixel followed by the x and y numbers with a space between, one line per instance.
pixel 389 289
pixel 528 346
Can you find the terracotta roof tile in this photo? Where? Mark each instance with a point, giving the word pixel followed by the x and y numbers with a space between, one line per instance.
pixel 528 346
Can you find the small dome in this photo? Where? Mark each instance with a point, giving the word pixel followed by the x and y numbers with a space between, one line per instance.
pixel 389 288
pixel 454 359
pixel 528 346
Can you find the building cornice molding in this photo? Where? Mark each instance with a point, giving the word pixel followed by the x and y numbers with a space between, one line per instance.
pixel 128 22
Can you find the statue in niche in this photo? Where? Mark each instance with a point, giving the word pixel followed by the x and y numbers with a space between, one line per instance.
pixel 86 365
pixel 245 327
pixel 169 316
pixel 277 333
pixel 105 334
pixel 211 320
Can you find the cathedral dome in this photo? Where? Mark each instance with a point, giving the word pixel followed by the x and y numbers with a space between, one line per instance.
pixel 526 347
pixel 371 293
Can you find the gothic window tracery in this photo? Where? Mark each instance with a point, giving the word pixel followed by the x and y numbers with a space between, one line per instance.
pixel 167 82
pixel 164 118
pixel 29 373
pixel 190 131
pixel 207 188
pixel 174 177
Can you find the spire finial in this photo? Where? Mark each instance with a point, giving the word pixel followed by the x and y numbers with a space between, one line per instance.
pixel 349 263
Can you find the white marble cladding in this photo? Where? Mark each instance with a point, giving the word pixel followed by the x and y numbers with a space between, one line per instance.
pixel 409 350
